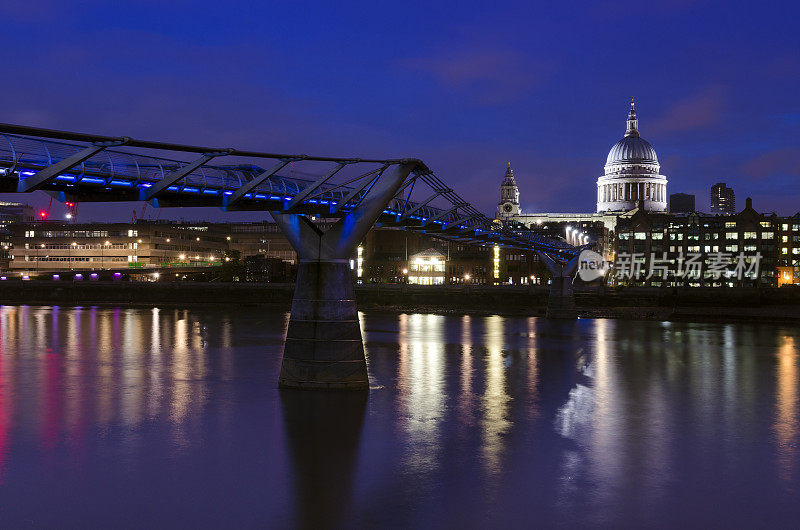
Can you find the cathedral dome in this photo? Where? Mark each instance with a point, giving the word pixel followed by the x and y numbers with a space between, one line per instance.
pixel 632 149
pixel 632 176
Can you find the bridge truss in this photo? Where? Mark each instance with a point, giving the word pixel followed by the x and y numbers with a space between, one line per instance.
pixel 77 167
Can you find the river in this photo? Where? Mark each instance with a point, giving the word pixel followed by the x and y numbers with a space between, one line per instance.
pixel 145 417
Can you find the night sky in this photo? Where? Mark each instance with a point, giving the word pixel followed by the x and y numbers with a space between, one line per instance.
pixel 464 86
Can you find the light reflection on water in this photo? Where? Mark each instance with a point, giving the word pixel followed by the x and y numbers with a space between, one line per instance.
pixel 156 416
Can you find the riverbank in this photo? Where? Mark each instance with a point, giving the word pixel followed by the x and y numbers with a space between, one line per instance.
pixel 690 304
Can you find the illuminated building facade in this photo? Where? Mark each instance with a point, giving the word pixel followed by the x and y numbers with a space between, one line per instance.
pixel 388 255
pixel 426 268
pixel 11 213
pixel 650 235
pixel 54 245
pixel 722 200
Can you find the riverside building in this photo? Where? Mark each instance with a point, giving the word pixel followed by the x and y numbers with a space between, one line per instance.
pixel 667 239
pixel 39 247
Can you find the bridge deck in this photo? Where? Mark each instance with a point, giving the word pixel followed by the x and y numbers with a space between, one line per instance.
pixel 90 168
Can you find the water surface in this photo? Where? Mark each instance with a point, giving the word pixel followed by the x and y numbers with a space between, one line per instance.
pixel 131 417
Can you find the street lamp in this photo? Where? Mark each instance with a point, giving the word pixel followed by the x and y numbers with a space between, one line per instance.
pixel 102 254
pixel 466 278
pixel 69 255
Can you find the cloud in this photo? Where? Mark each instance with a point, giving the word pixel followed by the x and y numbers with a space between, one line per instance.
pixel 487 75
pixel 698 111
pixel 780 162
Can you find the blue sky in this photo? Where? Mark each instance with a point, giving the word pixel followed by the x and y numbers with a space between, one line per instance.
pixel 465 86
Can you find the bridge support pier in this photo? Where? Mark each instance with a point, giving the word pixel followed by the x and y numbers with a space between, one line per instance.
pixel 561 302
pixel 324 348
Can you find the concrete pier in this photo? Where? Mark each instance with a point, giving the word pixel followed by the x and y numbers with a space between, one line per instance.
pixel 323 343
pixel 561 303
pixel 323 347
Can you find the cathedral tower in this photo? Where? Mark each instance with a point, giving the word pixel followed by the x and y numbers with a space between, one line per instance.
pixel 509 196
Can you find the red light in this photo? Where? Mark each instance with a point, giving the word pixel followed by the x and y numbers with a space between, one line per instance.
pixel 43 214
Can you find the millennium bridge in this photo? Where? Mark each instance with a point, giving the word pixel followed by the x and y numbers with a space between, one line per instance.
pixel 324 348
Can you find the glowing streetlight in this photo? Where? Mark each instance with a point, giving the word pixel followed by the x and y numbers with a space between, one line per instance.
pixel 102 254
pixel 69 255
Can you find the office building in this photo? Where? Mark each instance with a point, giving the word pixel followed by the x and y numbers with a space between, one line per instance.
pixel 723 200
pixel 681 203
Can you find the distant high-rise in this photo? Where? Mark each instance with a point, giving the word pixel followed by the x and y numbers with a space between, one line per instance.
pixel 722 199
pixel 681 203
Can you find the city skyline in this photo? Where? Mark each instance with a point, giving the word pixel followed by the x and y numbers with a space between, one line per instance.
pixel 489 86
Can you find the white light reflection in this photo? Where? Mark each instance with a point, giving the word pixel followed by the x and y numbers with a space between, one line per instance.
pixel 421 388
pixel 466 397
pixel 495 399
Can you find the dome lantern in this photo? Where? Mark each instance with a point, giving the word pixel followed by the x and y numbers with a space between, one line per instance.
pixel 633 123
pixel 632 174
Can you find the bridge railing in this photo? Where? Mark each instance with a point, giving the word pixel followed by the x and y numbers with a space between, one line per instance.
pixel 82 167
